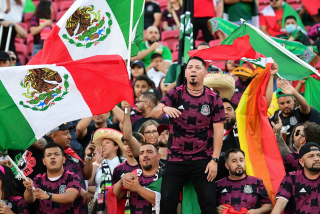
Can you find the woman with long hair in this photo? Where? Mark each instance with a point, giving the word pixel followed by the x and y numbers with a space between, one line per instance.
pixel 10 200
pixel 149 131
pixel 40 24
pixel 171 15
pixel 137 68
pixel 108 155
pixel 162 87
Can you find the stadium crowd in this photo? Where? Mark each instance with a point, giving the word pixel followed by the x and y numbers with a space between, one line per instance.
pixel 174 134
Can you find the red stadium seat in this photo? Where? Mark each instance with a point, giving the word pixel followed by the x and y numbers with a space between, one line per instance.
pixel 22 60
pixel 219 64
pixel 29 46
pixel 65 5
pixel 170 37
pixel 163 4
pixel 59 2
pixel 18 40
pixel 55 11
pixel 200 35
pixel 163 43
pixel 215 42
pixel 60 14
pixel 307 27
pixel 27 18
pixel 198 42
pixel 261 7
pixel 25 26
pixel 175 56
pixel 264 2
pixel 175 44
pixel 22 53
pixel 36 3
pixel 293 1
pixel 296 5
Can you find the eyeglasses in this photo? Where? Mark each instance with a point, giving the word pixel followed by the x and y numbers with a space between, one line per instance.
pixel 273 0
pixel 298 133
pixel 13 59
pixel 149 133
pixel 140 101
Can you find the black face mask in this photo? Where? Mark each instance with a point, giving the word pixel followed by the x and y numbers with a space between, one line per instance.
pixel 247 82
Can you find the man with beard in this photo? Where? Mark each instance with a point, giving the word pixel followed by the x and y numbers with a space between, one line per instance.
pixel 245 74
pixel 141 200
pixel 240 190
pixel 152 46
pixel 290 116
pixel 230 136
pixel 298 191
pixel 163 131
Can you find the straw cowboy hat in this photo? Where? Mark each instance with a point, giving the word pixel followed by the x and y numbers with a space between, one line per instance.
pixel 107 133
pixel 222 83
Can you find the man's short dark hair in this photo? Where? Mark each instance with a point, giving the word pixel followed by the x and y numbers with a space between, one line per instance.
pixel 144 78
pixel 312 132
pixel 233 150
pixel 156 55
pixel 203 43
pixel 152 97
pixel 156 147
pixel 53 145
pixel 226 100
pixel 199 59
pixel 290 17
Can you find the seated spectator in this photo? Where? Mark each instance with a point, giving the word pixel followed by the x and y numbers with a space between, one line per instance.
pixel 171 15
pixel 298 191
pixel 152 46
pixel 9 193
pixel 145 104
pixel 40 24
pixel 156 69
pixel 237 9
pixel 109 153
pixel 137 68
pixel 13 58
pixel 272 19
pixel 293 33
pixel 240 190
pixel 203 45
pixel 149 132
pixel 141 198
pixel 57 190
pixel 4 59
pixel 152 14
pixel 163 88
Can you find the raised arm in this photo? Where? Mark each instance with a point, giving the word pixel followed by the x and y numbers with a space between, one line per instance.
pixel 82 127
pixel 269 90
pixel 127 133
pixel 142 54
pixel 29 196
pixel 283 148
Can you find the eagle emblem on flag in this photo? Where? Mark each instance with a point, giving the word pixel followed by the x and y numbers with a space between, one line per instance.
pixel 44 87
pixel 85 27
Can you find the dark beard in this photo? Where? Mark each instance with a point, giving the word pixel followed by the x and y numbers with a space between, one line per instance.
pixel 237 173
pixel 147 167
pixel 193 83
pixel 314 169
pixel 228 125
pixel 247 82
pixel 162 144
pixel 151 42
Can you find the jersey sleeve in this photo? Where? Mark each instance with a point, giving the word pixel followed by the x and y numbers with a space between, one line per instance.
pixel 34 22
pixel 166 54
pixel 263 194
pixel 74 183
pixel 37 181
pixel 170 98
pixel 218 111
pixel 22 207
pixel 285 189
pixel 115 176
pixel 156 8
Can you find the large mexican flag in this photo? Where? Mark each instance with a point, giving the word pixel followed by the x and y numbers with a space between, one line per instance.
pixel 94 27
pixel 37 98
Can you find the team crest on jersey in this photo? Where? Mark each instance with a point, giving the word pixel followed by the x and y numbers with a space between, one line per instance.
pixel 205 110
pixel 293 120
pixel 248 189
pixel 10 205
pixel 87 27
pixel 44 87
pixel 62 189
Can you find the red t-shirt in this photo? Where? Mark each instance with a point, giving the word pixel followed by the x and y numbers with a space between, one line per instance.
pixel 273 23
pixel 203 8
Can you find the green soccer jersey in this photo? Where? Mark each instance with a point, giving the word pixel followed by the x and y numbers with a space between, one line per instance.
pixel 239 10
pixel 166 53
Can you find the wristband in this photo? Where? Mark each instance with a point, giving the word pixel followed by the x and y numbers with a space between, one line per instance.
pixel 162 108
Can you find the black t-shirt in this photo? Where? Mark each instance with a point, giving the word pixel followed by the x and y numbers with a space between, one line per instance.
pixel 138 123
pixel 91 129
pixel 296 117
pixel 12 47
pixel 150 8
pixel 314 116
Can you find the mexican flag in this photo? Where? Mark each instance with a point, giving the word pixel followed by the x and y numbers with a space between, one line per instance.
pixel 94 27
pixel 37 98
pixel 290 66
pixel 312 93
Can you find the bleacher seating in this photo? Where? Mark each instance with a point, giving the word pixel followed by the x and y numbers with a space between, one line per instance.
pixel 175 56
pixel 170 37
pixel 215 42
pixel 22 53
pixel 65 5
pixel 29 46
pixel 163 43
pixel 60 14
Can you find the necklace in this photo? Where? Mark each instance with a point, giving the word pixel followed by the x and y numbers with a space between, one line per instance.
pixel 195 91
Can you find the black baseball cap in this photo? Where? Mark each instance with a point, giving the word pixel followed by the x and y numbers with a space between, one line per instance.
pixel 64 126
pixel 139 63
pixel 306 148
pixel 4 56
pixel 162 127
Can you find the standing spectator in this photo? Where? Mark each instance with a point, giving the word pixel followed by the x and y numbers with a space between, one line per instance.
pixel 240 190
pixel 203 11
pixel 145 104
pixel 149 132
pixel 152 14
pixel 234 10
pixel 196 118
pixel 142 84
pixel 57 190
pixel 298 191
pixel 171 15
pixel 74 144
pixel 13 58
pixel 8 192
pixel 4 59
pixel 16 10
pixel 40 24
pixel 137 68
pixel 156 70
pixel 152 46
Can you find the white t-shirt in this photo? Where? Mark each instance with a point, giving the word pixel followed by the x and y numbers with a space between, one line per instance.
pixel 97 179
pixel 16 10
pixel 155 76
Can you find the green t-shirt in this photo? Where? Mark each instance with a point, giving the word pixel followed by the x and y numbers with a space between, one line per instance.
pixel 239 10
pixel 171 76
pixel 166 53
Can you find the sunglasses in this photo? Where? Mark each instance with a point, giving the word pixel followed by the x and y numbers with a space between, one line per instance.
pixel 298 133
pixel 13 59
pixel 273 0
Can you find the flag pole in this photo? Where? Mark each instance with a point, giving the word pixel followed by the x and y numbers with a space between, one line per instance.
pixel 130 34
pixel 17 168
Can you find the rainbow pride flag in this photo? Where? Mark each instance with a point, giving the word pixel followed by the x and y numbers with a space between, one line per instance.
pixel 257 140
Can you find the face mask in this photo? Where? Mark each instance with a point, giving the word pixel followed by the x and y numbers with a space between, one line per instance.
pixel 290 28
